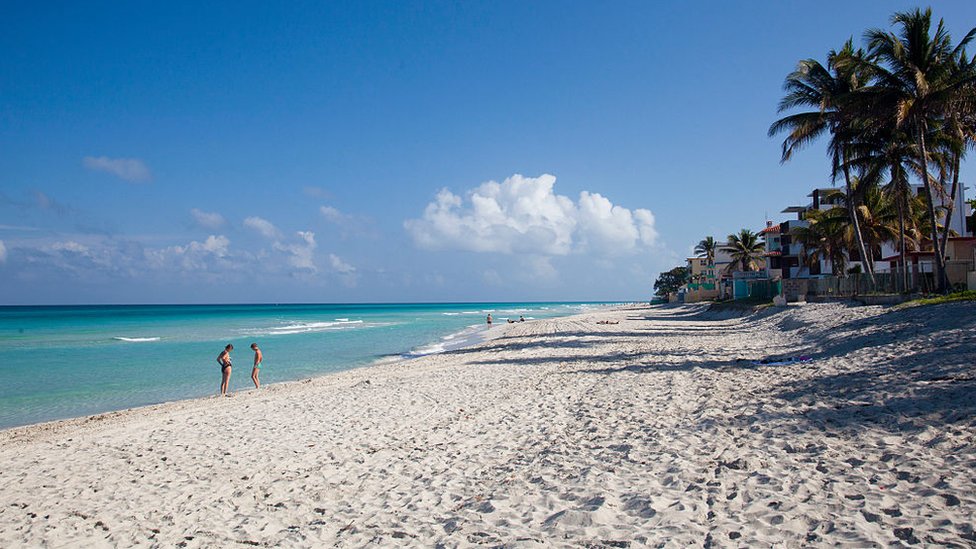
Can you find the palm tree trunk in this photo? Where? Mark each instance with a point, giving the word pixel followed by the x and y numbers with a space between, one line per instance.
pixel 901 233
pixel 938 260
pixel 852 212
pixel 952 202
pixel 901 201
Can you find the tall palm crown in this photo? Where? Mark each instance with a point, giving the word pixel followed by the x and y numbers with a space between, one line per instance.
pixel 921 80
pixel 825 88
pixel 706 248
pixel 745 249
pixel 829 91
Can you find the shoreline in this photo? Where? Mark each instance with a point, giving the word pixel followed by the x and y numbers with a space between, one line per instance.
pixel 121 364
pixel 657 427
pixel 498 330
pixel 390 360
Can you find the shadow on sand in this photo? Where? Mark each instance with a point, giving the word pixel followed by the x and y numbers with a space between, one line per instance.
pixel 933 382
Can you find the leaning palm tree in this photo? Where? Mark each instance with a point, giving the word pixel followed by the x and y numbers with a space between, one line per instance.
pixel 884 155
pixel 828 90
pixel 745 249
pixel 879 219
pixel 917 88
pixel 706 248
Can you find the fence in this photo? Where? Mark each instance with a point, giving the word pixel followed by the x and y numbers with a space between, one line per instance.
pixel 860 284
pixel 756 289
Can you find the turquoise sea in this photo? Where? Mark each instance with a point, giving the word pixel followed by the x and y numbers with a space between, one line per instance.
pixel 68 361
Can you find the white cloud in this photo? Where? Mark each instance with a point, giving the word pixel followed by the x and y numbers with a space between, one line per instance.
pixel 216 245
pixel 300 255
pixel 195 256
pixel 333 214
pixel 518 215
pixel 524 215
pixel 207 220
pixel 3 252
pixel 129 169
pixel 69 246
pixel 340 266
pixel 604 226
pixel 262 226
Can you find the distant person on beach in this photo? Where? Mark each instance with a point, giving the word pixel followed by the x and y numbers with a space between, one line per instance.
pixel 489 319
pixel 258 357
pixel 224 360
pixel 521 318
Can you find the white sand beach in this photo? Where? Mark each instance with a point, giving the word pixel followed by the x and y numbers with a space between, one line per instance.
pixel 659 429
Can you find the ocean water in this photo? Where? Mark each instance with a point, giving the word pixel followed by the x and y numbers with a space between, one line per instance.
pixel 62 362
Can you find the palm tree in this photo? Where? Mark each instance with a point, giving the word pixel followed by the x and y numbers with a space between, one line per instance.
pixel 706 248
pixel 827 89
pixel 824 238
pixel 745 249
pixel 884 150
pixel 959 134
pixel 879 219
pixel 917 88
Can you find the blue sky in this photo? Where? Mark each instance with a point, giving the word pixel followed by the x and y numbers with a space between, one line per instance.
pixel 168 152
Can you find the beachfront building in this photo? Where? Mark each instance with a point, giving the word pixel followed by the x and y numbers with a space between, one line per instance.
pixel 773 237
pixel 785 257
pixel 960 261
pixel 961 212
pixel 705 278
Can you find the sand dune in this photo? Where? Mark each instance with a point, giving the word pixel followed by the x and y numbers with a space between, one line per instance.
pixel 563 432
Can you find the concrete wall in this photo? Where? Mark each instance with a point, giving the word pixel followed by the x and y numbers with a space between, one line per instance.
pixel 795 289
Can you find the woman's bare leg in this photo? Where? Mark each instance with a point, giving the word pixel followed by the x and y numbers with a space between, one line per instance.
pixel 224 382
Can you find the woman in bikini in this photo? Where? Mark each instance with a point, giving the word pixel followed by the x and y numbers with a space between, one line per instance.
pixel 224 360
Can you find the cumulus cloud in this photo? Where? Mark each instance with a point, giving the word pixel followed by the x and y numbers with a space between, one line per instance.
pixel 207 220
pixel 195 256
pixel 216 245
pixel 263 227
pixel 128 169
pixel 523 215
pixel 340 266
pixel 300 255
pixel 3 252
pixel 603 226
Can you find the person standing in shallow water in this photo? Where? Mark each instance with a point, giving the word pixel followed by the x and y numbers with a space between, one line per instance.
pixel 258 357
pixel 489 319
pixel 225 367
